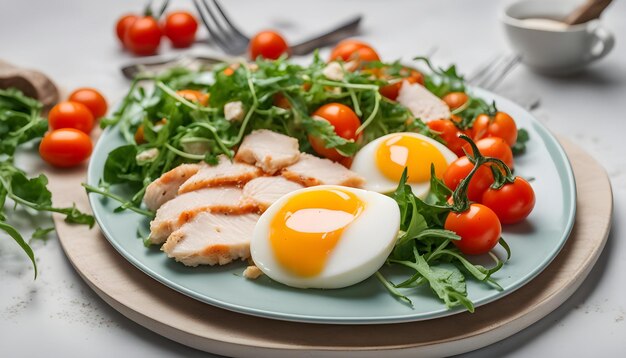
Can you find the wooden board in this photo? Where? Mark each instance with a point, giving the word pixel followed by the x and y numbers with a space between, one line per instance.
pixel 211 329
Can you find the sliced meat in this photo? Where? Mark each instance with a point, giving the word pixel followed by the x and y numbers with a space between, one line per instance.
pixel 224 173
pixel 165 188
pixel 184 207
pixel 268 150
pixel 311 170
pixel 264 191
pixel 422 103
pixel 211 239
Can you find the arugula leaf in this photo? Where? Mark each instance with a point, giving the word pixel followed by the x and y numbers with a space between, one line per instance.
pixel 21 122
pixel 520 145
pixel 4 226
pixel 42 233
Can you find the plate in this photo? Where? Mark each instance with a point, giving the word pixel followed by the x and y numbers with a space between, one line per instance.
pixel 534 243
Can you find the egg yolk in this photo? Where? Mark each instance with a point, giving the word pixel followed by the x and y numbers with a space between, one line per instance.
pixel 306 229
pixel 415 154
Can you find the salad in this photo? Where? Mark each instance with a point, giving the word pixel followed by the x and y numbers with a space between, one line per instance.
pixel 353 111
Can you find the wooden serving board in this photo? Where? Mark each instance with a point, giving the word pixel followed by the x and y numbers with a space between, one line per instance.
pixel 215 330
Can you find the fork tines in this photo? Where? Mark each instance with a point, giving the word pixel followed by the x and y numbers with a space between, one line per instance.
pixel 490 75
pixel 223 32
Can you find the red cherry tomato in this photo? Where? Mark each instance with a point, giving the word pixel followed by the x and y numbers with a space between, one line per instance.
pixel 345 121
pixel 123 24
pixel 449 133
pixel 459 169
pixel 65 147
pixel 194 96
pixel 478 227
pixel 267 44
pixel 92 99
pixel 455 100
pixel 71 115
pixel 501 125
pixel 350 49
pixel 513 202
pixel 143 36
pixel 391 91
pixel 494 147
pixel 180 27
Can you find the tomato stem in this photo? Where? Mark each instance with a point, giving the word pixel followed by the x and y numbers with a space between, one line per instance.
pixel 461 202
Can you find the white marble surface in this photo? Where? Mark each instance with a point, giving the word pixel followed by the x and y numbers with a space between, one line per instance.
pixel 73 41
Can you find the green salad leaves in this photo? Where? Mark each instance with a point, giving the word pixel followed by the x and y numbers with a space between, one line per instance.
pixel 164 128
pixel 21 122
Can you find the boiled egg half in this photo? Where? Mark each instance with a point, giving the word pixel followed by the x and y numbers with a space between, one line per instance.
pixel 382 161
pixel 325 236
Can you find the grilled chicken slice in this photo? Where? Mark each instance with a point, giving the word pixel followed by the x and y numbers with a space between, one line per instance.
pixel 268 150
pixel 422 103
pixel 165 188
pixel 311 170
pixel 186 206
pixel 211 239
pixel 264 191
pixel 224 173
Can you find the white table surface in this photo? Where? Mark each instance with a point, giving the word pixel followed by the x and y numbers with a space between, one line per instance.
pixel 74 43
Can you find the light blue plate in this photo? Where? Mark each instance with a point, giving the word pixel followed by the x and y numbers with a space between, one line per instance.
pixel 534 244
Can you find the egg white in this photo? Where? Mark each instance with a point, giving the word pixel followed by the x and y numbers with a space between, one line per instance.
pixel 362 249
pixel 364 164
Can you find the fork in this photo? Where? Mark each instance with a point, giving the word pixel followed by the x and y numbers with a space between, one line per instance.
pixel 233 42
pixel 491 74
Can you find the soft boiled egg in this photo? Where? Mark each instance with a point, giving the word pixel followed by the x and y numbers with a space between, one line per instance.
pixel 326 236
pixel 382 161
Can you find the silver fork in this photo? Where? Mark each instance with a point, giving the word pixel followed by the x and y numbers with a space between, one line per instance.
pixel 233 42
pixel 491 74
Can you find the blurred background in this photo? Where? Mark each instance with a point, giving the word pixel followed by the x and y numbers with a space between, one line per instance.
pixel 74 42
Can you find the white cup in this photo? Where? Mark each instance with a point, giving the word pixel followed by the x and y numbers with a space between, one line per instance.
pixel 554 50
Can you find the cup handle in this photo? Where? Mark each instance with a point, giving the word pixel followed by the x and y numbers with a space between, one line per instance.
pixel 603 37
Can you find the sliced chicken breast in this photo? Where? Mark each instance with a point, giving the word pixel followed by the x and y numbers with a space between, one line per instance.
pixel 311 170
pixel 264 191
pixel 268 150
pixel 422 103
pixel 211 239
pixel 224 173
pixel 165 188
pixel 185 207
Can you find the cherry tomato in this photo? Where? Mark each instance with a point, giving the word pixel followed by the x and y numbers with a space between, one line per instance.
pixel 281 101
pixel 501 125
pixel 350 49
pixel 65 147
pixel 267 44
pixel 391 91
pixel 180 27
pixel 455 100
pixel 139 133
pixel 92 99
pixel 345 121
pixel 346 162
pixel 459 169
pixel 494 147
pixel 513 202
pixel 449 133
pixel 123 24
pixel 478 227
pixel 194 96
pixel 71 115
pixel 143 36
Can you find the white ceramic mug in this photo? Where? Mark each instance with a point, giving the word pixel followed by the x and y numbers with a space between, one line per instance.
pixel 554 51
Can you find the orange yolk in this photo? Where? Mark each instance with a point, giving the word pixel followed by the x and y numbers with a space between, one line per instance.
pixel 416 154
pixel 306 229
